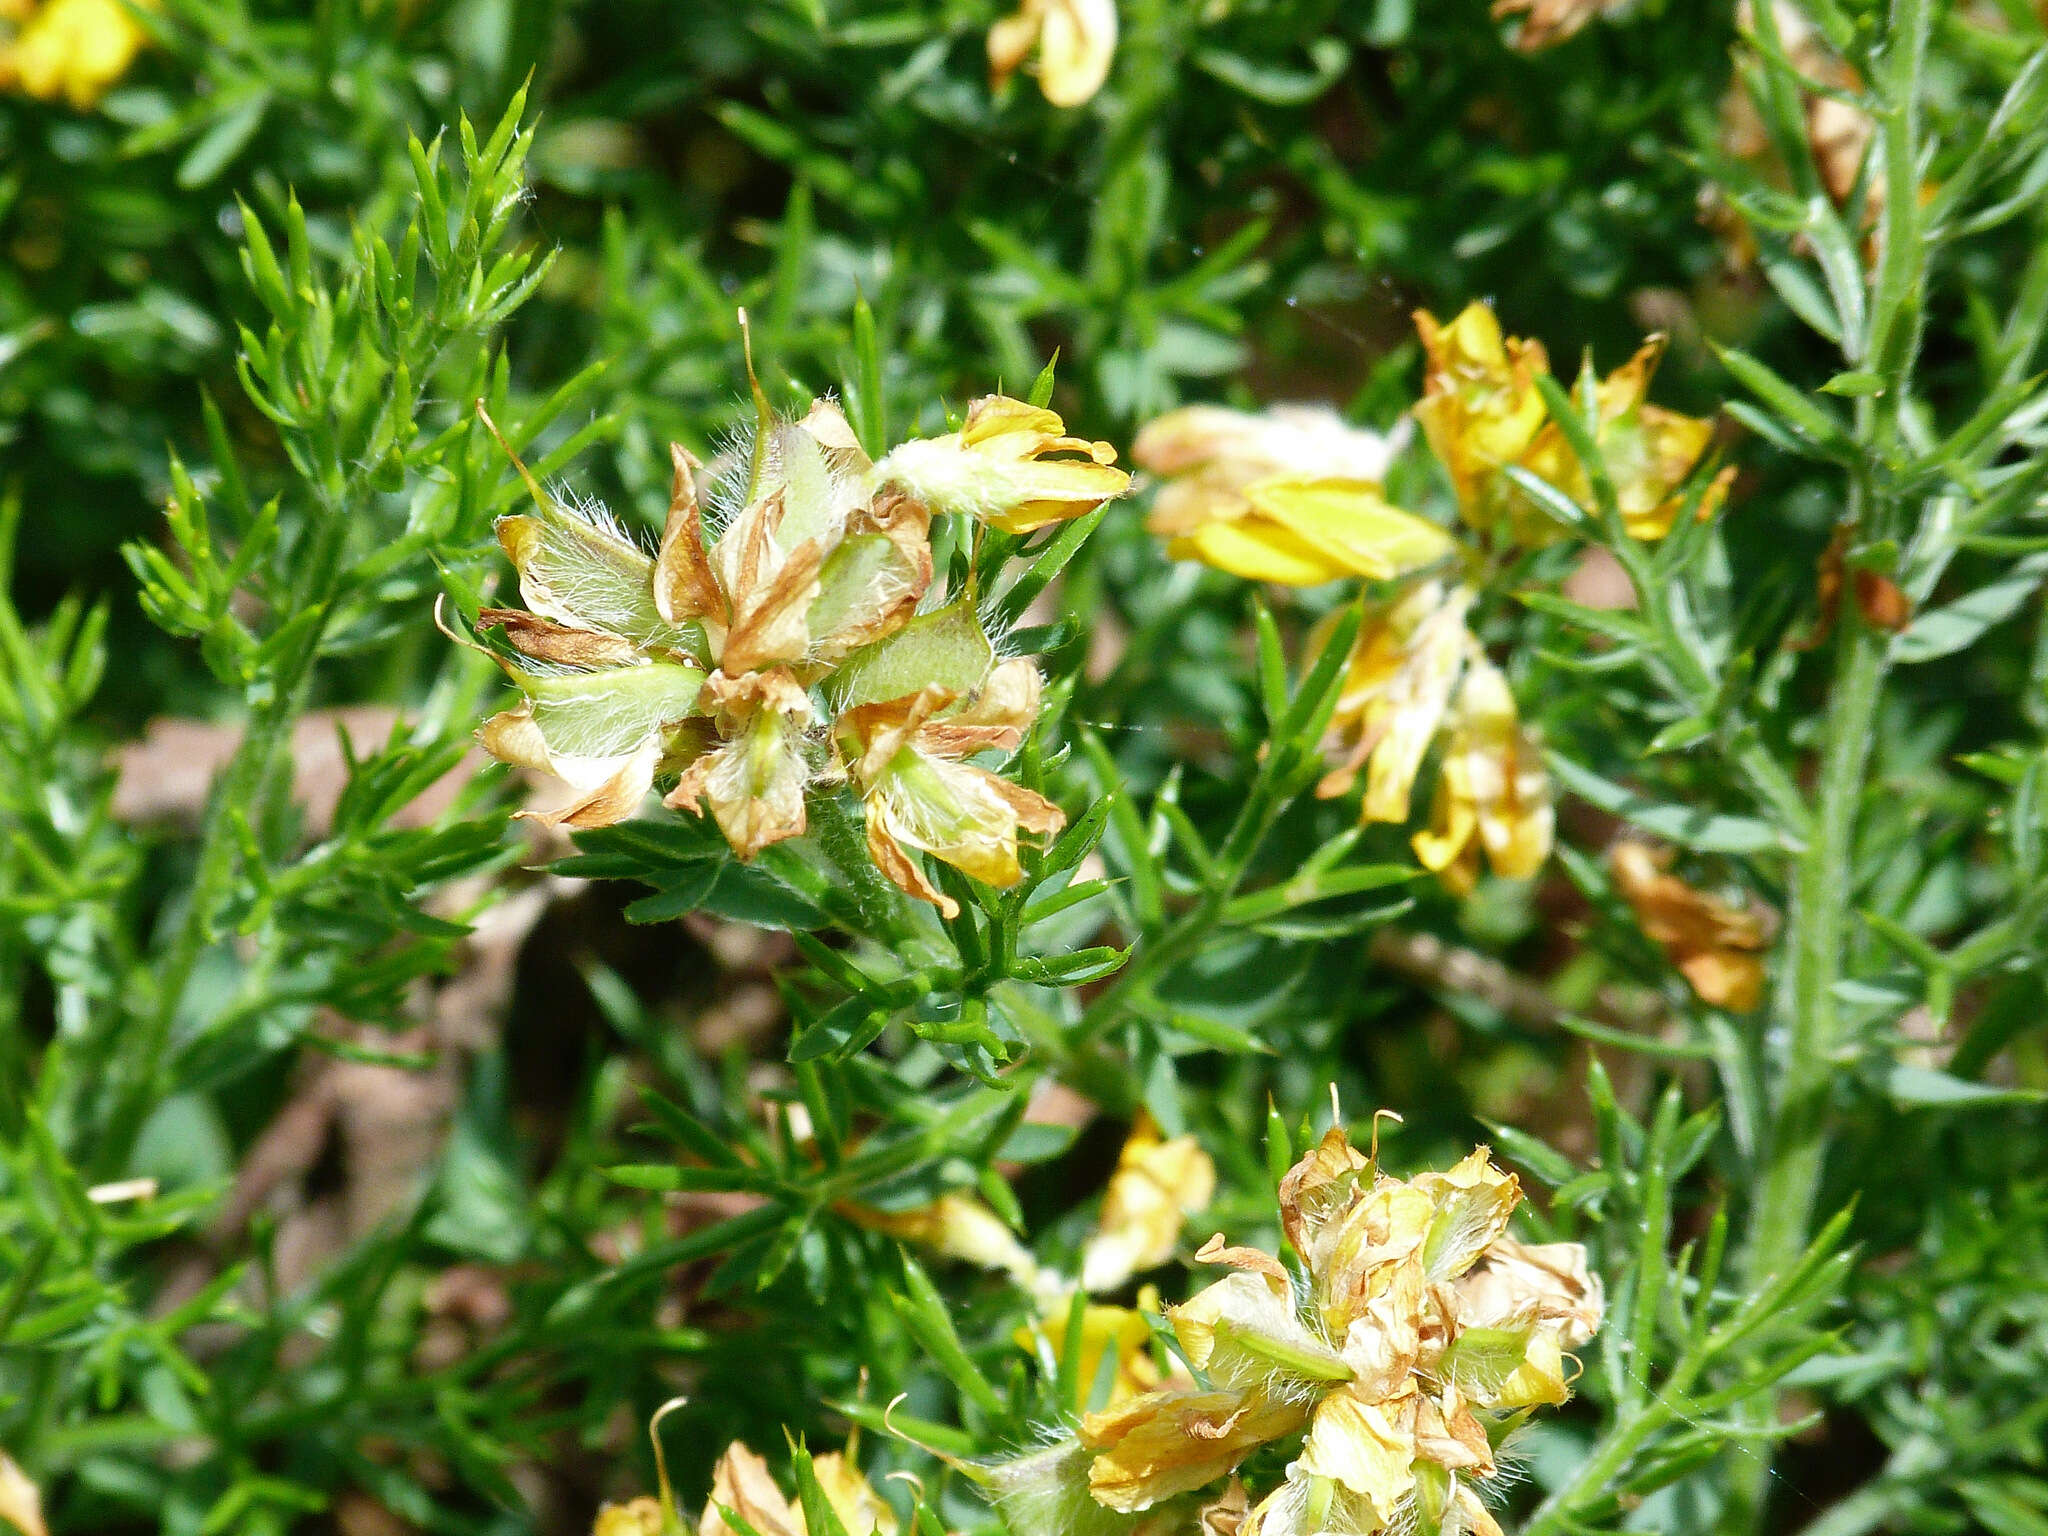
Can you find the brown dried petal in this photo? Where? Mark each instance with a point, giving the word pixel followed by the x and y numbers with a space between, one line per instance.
pixel 684 585
pixel 545 640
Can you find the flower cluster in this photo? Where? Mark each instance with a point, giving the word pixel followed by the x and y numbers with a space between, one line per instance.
pixel 1295 496
pixel 1417 1337
pixel 70 50
pixel 802 648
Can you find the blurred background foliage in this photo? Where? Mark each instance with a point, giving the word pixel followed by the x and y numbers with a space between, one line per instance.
pixel 1248 212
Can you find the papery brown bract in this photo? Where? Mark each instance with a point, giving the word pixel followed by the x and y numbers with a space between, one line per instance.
pixel 754 780
pixel 905 758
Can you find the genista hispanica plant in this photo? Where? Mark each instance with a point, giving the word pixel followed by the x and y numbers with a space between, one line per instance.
pixel 843 1003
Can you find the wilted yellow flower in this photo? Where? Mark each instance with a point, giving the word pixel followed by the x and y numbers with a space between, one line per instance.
pixel 604 733
pixel 1403 669
pixel 997 468
pixel 741 1483
pixel 606 709
pixel 636 1517
pixel 1150 1448
pixel 906 754
pixel 21 1502
pixel 1075 39
pixel 1545 23
pixel 1492 791
pixel 1158 1182
pixel 1649 452
pixel 956 1226
pixel 73 49
pixel 1420 1325
pixel 1480 410
pixel 1717 947
pixel 1115 1341
pixel 753 782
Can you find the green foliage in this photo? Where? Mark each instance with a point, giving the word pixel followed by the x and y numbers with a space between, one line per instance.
pixel 250 305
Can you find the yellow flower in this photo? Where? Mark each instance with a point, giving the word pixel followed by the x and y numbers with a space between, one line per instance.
pixel 74 49
pixel 1397 686
pixel 1157 1183
pixel 636 1517
pixel 1480 410
pixel 1303 532
pixel 1492 791
pixel 1290 496
pixel 741 1483
pixel 956 1226
pixel 21 1502
pixel 1649 453
pixel 1076 39
pixel 1716 946
pixel 1115 1342
pixel 905 753
pixel 996 468
pixel 1206 455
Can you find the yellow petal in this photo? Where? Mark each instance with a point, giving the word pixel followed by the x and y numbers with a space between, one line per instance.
pixel 956 1225
pixel 1115 1358
pixel 1352 524
pixel 1258 550
pixel 1408 713
pixel 1075 49
pixel 740 1483
pixel 1157 1184
pixel 21 1502
pixel 1368 1447
pixel 1473 1202
pixel 1165 1443
pixel 639 1517
pixel 853 1499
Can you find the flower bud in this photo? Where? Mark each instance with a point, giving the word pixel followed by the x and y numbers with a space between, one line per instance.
pixel 998 468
